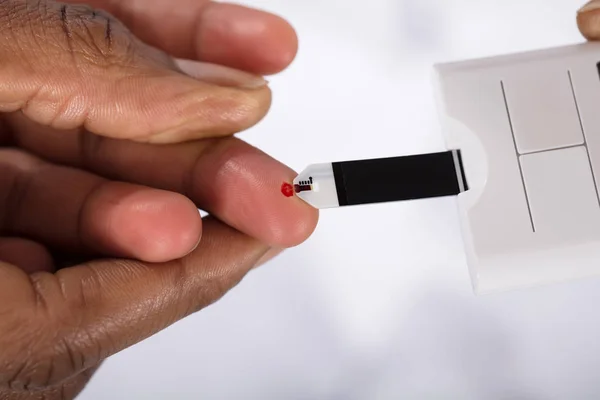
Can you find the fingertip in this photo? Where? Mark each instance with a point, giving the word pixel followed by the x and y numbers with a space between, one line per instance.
pixel 302 227
pixel 298 217
pixel 292 221
pixel 243 186
pixel 142 223
pixel 588 21
pixel 245 38
pixel 167 225
pixel 284 42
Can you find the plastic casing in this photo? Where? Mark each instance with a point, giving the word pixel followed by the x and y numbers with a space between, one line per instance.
pixel 528 126
pixel 324 194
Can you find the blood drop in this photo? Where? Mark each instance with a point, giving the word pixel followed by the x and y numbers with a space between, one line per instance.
pixel 287 189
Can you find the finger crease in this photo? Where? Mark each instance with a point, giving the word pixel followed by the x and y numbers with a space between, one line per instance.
pixel 50 372
pixel 63 392
pixel 31 98
pixel 65 24
pixel 70 354
pixel 90 285
pixel 189 181
pixel 7 135
pixel 80 231
pixel 61 110
pixel 89 146
pixel 17 193
pixel 92 39
pixel 39 299
pixel 13 381
pixel 99 354
pixel 195 40
pixel 67 31
pixel 109 35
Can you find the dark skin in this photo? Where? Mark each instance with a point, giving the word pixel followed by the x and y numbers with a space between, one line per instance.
pixel 108 145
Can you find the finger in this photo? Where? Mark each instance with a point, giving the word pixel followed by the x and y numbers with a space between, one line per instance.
pixel 76 211
pixel 588 20
pixel 268 257
pixel 26 254
pixel 68 389
pixel 70 66
pixel 232 180
pixel 225 34
pixel 92 311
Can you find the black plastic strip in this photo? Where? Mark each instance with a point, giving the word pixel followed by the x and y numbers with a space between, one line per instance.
pixel 462 171
pixel 397 179
pixel 340 183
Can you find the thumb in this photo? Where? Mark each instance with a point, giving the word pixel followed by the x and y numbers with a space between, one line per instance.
pixel 69 66
pixel 55 326
pixel 588 20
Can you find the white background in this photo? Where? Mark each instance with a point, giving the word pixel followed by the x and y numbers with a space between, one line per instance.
pixel 378 303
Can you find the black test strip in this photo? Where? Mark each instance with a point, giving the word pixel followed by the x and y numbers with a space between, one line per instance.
pixel 399 178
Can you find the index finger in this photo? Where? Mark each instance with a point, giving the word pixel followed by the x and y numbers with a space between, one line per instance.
pixel 226 34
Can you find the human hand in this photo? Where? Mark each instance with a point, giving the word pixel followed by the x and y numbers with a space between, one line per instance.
pixel 107 149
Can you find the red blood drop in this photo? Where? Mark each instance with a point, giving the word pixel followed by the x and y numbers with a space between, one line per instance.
pixel 287 189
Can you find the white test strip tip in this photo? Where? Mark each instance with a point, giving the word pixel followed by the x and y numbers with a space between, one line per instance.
pixel 316 186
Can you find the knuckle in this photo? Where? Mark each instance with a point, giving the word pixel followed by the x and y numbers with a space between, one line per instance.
pixel 90 148
pixel 12 13
pixel 42 360
pixel 225 111
pixel 51 357
pixel 245 109
pixel 24 363
pixel 186 299
pixel 47 345
pixel 95 35
pixel 180 281
pixel 63 33
pixel 18 171
pixel 206 287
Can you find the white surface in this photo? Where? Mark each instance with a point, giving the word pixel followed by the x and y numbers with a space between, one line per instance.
pixel 564 201
pixel 378 304
pixel 324 193
pixel 542 108
pixel 487 106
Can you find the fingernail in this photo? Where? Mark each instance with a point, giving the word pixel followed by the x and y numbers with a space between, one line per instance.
pixel 220 75
pixel 592 5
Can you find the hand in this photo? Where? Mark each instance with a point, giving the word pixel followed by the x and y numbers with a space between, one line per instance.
pixel 109 144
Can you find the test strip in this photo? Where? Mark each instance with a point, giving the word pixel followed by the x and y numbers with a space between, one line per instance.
pixel 350 183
